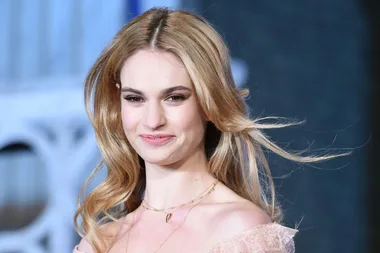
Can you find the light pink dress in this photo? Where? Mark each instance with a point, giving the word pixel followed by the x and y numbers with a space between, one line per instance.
pixel 268 238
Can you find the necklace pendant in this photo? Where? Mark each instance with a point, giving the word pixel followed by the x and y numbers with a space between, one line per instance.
pixel 168 216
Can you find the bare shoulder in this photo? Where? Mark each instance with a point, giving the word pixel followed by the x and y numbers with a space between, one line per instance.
pixel 110 232
pixel 235 214
pixel 240 215
pixel 244 214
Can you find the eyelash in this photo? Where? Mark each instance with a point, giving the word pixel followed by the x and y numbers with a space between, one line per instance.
pixel 136 99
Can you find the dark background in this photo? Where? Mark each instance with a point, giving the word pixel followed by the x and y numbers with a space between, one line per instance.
pixel 319 61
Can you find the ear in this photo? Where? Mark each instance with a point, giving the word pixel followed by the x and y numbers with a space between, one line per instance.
pixel 118 86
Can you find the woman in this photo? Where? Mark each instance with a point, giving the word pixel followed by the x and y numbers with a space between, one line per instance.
pixel 186 171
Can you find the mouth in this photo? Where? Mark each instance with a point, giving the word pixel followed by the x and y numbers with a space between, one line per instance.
pixel 157 139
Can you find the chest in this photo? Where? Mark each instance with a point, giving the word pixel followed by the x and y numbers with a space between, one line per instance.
pixel 167 238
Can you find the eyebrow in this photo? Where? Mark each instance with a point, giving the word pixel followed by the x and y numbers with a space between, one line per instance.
pixel 164 91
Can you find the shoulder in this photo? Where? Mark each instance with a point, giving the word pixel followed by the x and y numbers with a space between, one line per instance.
pixel 242 226
pixel 83 247
pixel 231 214
pixel 236 213
pixel 239 216
pixel 109 230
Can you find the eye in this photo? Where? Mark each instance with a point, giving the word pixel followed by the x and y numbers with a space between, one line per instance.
pixel 133 99
pixel 176 97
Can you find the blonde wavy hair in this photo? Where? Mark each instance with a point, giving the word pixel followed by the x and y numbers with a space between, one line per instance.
pixel 234 142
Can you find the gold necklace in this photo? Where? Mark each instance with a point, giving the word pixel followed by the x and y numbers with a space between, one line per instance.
pixel 211 189
pixel 170 214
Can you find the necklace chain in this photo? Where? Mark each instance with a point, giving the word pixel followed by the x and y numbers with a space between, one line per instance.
pixel 169 215
pixel 208 190
pixel 202 195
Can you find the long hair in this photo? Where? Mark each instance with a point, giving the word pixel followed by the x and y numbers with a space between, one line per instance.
pixel 234 142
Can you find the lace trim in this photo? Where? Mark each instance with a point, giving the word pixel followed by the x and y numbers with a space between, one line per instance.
pixel 273 238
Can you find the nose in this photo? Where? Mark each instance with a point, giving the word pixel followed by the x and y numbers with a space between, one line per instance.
pixel 154 116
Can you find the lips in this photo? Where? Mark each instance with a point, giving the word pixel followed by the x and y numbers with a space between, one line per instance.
pixel 152 136
pixel 157 139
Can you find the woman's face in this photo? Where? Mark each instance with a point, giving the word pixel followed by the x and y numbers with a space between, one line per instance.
pixel 161 116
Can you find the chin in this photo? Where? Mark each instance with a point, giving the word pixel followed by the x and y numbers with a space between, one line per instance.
pixel 161 160
pixel 161 163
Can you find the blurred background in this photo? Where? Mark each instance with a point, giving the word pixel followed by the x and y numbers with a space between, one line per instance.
pixel 313 60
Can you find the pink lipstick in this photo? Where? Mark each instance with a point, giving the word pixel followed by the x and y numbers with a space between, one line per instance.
pixel 156 139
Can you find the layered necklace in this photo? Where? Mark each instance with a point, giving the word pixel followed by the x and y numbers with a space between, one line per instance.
pixel 196 200
pixel 170 210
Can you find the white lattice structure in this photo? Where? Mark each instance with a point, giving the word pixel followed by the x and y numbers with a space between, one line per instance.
pixel 45 47
pixel 59 113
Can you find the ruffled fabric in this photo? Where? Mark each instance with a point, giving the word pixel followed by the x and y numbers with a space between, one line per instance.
pixel 266 238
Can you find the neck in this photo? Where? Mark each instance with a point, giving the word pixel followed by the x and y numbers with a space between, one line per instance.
pixel 168 186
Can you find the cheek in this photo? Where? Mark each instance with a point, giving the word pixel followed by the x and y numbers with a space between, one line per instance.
pixel 129 119
pixel 189 119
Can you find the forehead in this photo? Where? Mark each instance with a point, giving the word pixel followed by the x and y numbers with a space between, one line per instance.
pixel 152 69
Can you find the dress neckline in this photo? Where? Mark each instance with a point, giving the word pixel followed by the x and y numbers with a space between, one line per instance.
pixel 238 235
